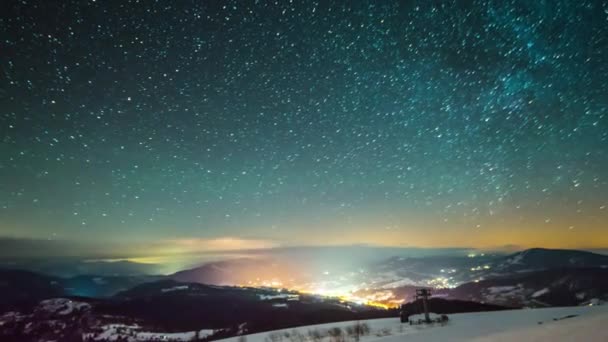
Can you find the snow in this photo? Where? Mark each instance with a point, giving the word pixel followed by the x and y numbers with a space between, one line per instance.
pixel 99 281
pixel 110 332
pixel 185 336
pixel 132 333
pixel 501 289
pixel 10 316
pixel 540 292
pixel 498 294
pixel 557 324
pixel 517 259
pixel 62 306
pixel 278 296
pixel 175 288
pixel 572 329
pixel 593 301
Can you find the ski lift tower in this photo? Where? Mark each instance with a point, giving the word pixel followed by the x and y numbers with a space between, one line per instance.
pixel 424 294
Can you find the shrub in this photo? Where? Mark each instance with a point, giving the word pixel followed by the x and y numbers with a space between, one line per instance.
pixel 315 335
pixel 336 334
pixel 275 337
pixel 357 330
pixel 384 332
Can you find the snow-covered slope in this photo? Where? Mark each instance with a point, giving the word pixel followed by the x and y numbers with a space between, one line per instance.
pixel 551 324
pixel 576 329
pixel 133 333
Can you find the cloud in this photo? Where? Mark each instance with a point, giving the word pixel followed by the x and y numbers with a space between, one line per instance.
pixel 12 247
pixel 221 244
pixel 15 247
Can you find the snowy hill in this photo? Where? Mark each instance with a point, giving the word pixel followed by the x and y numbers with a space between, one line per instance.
pixel 551 324
pixel 396 272
pixel 556 287
pixel 540 259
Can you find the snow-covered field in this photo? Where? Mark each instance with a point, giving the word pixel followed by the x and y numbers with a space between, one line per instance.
pixel 61 306
pixel 550 324
pixel 133 333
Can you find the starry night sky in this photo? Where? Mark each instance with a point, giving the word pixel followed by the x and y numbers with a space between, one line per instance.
pixel 262 123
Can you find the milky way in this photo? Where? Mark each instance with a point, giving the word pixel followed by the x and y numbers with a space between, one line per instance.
pixel 305 121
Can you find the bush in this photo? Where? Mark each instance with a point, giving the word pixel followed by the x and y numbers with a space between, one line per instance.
pixel 336 334
pixel 357 330
pixel 384 332
pixel 297 336
pixel 315 335
pixel 362 328
pixel 275 337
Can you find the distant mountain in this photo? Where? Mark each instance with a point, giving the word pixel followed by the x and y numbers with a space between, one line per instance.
pixel 554 287
pixel 397 272
pixel 71 267
pixel 542 259
pixel 172 288
pixel 235 271
pixel 98 286
pixel 23 289
pixel 533 277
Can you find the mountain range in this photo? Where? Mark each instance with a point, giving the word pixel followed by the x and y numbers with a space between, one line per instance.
pixel 206 297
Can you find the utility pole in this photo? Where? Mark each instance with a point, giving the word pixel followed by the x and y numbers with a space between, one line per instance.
pixel 424 294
